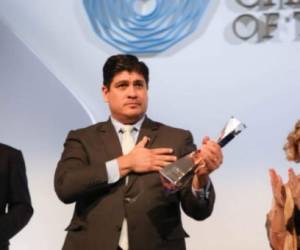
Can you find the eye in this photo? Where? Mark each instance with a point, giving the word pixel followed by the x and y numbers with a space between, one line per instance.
pixel 139 84
pixel 122 85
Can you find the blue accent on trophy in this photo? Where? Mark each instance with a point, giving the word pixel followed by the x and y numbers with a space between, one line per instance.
pixel 144 26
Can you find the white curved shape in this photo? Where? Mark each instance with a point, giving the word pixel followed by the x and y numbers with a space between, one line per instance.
pixel 63 54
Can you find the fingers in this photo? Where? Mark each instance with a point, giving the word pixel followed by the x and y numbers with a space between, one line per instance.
pixel 277 188
pixel 197 158
pixel 156 168
pixel 201 170
pixel 212 162
pixel 214 148
pixel 162 157
pixel 205 140
pixel 292 175
pixel 162 160
pixel 294 184
pixel 210 157
pixel 143 142
pixel 162 151
pixel 148 160
pixel 166 158
pixel 274 177
pixel 272 173
pixel 211 153
pixel 161 164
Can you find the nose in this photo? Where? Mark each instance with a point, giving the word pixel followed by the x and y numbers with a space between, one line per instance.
pixel 131 92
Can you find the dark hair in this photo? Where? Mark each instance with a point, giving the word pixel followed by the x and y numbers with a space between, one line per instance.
pixel 118 63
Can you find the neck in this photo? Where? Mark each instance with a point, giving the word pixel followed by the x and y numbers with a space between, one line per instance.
pixel 128 120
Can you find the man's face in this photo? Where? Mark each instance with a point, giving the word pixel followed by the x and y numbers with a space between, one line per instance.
pixel 127 96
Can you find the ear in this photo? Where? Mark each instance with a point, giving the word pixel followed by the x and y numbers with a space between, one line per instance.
pixel 105 91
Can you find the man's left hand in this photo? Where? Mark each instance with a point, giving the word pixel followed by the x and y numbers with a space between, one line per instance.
pixel 211 157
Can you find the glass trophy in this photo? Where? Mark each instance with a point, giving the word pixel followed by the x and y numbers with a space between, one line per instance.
pixel 178 173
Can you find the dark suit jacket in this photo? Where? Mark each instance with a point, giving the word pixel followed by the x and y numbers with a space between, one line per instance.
pixel 154 220
pixel 14 194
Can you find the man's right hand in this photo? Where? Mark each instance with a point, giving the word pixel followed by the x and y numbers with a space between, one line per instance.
pixel 142 160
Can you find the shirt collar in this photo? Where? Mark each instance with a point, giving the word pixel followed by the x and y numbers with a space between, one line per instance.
pixel 118 125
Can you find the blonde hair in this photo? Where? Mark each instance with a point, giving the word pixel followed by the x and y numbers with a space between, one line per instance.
pixel 292 146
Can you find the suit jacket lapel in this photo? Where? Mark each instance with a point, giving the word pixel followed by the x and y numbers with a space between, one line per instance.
pixel 149 128
pixel 107 134
pixel 110 140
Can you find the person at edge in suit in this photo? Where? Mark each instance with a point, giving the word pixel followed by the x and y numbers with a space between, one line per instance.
pixel 15 203
pixel 283 219
pixel 121 202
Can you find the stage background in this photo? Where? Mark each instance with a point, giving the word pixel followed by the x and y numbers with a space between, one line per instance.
pixel 50 80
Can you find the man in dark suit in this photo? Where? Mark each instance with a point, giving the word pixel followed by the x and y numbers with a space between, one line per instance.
pixel 110 170
pixel 15 204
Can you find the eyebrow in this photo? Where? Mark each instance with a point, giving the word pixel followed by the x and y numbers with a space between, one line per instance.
pixel 122 82
pixel 139 81
pixel 127 82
